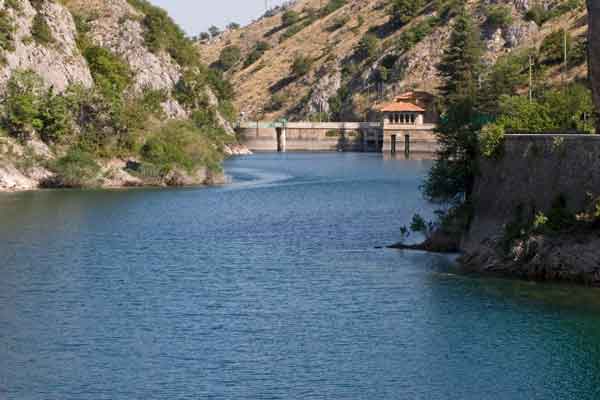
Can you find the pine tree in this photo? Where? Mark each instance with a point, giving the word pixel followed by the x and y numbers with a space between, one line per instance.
pixel 461 65
pixel 451 178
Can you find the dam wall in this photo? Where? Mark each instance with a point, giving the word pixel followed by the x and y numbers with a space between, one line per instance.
pixel 310 136
pixel 338 136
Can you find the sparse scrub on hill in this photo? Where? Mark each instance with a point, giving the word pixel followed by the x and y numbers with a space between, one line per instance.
pixel 259 49
pixel 289 18
pixel 540 14
pixel 229 56
pixel 40 30
pixel 332 6
pixel 412 36
pixel 301 66
pixel 367 47
pixel 7 32
pixel 161 33
pixel 403 11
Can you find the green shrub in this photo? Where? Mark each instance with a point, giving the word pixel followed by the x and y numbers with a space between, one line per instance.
pixel 338 23
pixel 76 169
pixel 540 14
pixel 162 33
pixel 499 16
pixel 555 110
pixel 412 36
pixel 7 32
pixel 332 6
pixel 367 47
pixel 277 102
pixel 403 11
pixel 56 117
pixel 40 30
pixel 111 74
pixel 491 140
pixel 289 17
pixel 21 110
pixel 229 56
pixel 301 65
pixel 180 144
pixel 259 49
pixel 553 47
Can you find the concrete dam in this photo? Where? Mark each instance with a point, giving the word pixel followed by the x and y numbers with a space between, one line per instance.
pixel 406 125
pixel 339 136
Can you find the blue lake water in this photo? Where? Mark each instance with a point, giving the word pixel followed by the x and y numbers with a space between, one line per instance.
pixel 271 288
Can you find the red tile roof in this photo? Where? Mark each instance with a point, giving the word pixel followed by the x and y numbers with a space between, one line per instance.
pixel 400 106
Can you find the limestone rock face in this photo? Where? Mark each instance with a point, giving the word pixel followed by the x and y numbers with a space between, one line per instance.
pixel 121 32
pixel 594 48
pixel 60 63
pixel 326 87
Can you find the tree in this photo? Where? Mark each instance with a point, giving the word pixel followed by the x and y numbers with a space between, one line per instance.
pixel 367 47
pixel 403 11
pixel 452 176
pixel 505 77
pixel 214 31
pixel 233 26
pixel 230 55
pixel 290 17
pixel 22 104
pixel 594 53
pixel 461 64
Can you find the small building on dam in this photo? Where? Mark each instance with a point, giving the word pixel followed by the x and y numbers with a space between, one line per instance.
pixel 405 125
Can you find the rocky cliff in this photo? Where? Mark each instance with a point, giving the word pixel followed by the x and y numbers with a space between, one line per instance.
pixel 101 64
pixel 535 210
pixel 362 48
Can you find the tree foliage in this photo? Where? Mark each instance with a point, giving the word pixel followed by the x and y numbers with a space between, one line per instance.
pixel 451 178
pixel 403 11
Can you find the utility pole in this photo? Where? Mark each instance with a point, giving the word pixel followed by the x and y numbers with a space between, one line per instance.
pixel 566 60
pixel 531 78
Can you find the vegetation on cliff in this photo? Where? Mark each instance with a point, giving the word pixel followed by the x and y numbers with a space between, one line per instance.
pixel 180 126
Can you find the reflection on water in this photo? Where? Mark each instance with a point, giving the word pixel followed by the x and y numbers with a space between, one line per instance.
pixel 271 287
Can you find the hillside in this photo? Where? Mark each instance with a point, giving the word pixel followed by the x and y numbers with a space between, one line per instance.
pixel 353 54
pixel 106 93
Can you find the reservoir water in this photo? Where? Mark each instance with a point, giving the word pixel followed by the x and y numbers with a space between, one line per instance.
pixel 271 288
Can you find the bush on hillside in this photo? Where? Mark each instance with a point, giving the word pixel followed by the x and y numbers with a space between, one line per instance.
pixel 111 74
pixel 412 36
pixel 229 56
pixel 180 144
pixel 76 169
pixel 7 32
pixel 301 66
pixel 290 17
pixel 40 30
pixel 21 108
pixel 259 49
pixel 499 16
pixel 162 33
pixel 367 47
pixel 403 11
pixel 332 6
pixel 553 47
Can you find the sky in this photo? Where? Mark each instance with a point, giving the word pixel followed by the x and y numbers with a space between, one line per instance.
pixel 196 16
